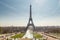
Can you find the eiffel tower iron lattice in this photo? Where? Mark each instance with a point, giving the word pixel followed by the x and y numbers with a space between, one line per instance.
pixel 30 22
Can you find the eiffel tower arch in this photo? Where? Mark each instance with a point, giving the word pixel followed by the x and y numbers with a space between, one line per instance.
pixel 30 24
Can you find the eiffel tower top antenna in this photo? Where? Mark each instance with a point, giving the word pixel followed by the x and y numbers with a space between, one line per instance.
pixel 30 11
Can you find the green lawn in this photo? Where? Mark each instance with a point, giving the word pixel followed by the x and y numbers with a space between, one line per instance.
pixel 18 35
pixel 36 35
pixel 22 34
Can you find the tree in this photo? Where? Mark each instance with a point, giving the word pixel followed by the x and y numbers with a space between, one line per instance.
pixel 0 30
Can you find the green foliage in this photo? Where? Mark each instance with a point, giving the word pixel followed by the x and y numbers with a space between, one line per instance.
pixel 18 35
pixel 36 35
pixel 0 30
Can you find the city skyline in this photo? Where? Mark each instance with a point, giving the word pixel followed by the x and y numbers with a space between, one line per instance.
pixel 16 12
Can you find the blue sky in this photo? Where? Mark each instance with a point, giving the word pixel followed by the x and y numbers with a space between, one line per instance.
pixel 16 12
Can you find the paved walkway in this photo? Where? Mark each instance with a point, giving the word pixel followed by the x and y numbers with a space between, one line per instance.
pixel 48 37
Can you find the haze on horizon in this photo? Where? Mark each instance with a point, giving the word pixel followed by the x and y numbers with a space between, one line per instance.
pixel 16 12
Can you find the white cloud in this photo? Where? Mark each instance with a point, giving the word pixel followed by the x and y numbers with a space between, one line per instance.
pixel 39 2
pixel 48 22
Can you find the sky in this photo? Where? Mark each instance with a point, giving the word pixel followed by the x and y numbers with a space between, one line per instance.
pixel 16 12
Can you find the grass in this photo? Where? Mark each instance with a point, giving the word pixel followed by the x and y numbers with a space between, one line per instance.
pixel 18 35
pixel 36 35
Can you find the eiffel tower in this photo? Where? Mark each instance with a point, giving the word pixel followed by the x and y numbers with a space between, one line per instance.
pixel 30 22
